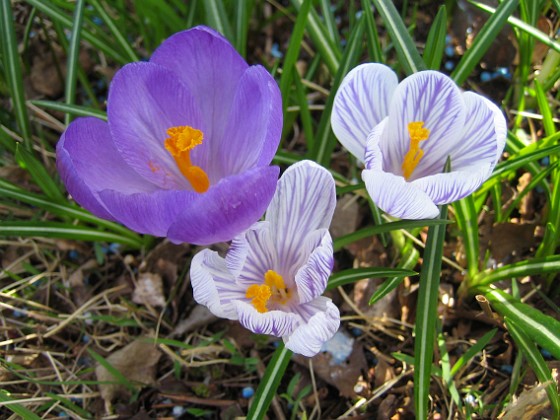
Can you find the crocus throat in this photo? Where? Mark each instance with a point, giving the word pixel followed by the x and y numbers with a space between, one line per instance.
pixel 412 158
pixel 273 288
pixel 182 139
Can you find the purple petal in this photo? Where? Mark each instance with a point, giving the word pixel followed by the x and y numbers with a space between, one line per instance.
pixel 322 320
pixel 144 101
pixel 210 68
pixel 479 142
pixel 254 127
pixel 361 102
pixel 252 254
pixel 88 162
pixel 150 213
pixel 227 208
pixel 304 202
pixel 213 285
pixel 276 323
pixel 312 277
pixel 392 194
pixel 500 127
pixel 449 187
pixel 434 99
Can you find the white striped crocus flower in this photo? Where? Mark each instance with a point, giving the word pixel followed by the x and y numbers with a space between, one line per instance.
pixel 274 274
pixel 404 133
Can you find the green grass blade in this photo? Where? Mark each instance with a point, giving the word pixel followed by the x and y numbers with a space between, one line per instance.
pixel 55 14
pixel 325 142
pixel 78 110
pixel 269 383
pixel 467 222
pixel 329 51
pixel 435 44
pixel 345 240
pixel 425 326
pixel 355 274
pixel 292 52
pixel 541 328
pixel 519 24
pixel 329 19
pixel 544 107
pixel 243 9
pixel 472 351
pixel 537 363
pixel 446 371
pixel 409 57
pixel 70 405
pixel 116 33
pixel 63 210
pixel 304 113
pixel 217 17
pixel 39 174
pixel 373 45
pixel 508 167
pixel 409 259
pixel 483 40
pixel 533 267
pixel 119 377
pixel 18 409
pixel 30 229
pixel 530 187
pixel 12 69
pixel 73 54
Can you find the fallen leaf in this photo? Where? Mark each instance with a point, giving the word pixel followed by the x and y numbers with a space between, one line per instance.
pixel 531 404
pixel 137 362
pixel 149 290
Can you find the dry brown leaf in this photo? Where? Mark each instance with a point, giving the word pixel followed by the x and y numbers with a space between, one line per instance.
pixel 137 362
pixel 530 404
pixel 149 290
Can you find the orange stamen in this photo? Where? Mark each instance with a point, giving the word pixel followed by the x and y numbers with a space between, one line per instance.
pixel 412 158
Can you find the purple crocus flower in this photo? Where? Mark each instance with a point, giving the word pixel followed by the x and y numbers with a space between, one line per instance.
pixel 405 132
pixel 273 276
pixel 187 147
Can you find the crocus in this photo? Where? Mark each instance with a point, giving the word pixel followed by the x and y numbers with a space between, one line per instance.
pixel 187 147
pixel 405 132
pixel 272 277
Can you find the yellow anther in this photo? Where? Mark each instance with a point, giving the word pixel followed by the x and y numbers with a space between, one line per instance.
pixel 273 288
pixel 182 139
pixel 412 158
pixel 260 294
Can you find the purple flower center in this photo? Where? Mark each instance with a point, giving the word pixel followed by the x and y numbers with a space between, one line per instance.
pixel 273 289
pixel 412 158
pixel 182 139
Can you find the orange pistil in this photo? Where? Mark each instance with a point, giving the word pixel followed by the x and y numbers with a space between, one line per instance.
pixel 412 158
pixel 182 139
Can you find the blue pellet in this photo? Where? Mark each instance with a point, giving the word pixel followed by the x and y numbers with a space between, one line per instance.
pixel 247 392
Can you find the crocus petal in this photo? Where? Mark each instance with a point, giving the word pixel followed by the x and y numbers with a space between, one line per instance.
pixel 361 102
pixel 479 141
pixel 434 99
pixel 322 320
pixel 150 213
pixel 255 124
pixel 392 194
pixel 210 68
pixel 448 187
pixel 374 157
pixel 500 126
pixel 252 254
pixel 85 143
pixel 312 277
pixel 276 323
pixel 213 285
pixel 227 208
pixel 144 101
pixel 304 202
